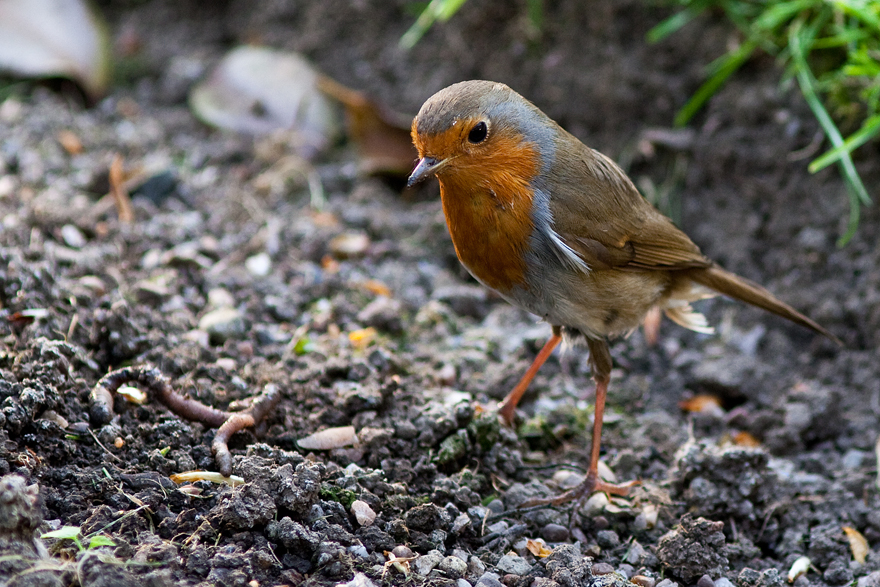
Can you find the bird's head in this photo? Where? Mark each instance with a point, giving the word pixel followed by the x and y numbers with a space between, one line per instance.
pixel 481 133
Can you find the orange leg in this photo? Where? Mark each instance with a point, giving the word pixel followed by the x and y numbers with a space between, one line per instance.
pixel 508 406
pixel 600 362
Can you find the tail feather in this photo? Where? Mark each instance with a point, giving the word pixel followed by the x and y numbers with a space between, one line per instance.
pixel 742 289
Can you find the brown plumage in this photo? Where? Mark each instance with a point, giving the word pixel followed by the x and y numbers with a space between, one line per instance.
pixel 558 229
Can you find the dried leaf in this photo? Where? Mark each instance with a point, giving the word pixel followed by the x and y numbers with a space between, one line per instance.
pixel 798 568
pixel 361 339
pixel 363 513
pixel 746 440
pixel 538 548
pixel 858 544
pixel 70 142
pixel 377 287
pixel 382 137
pixel 702 404
pixel 329 439
pixel 48 38
pixel 258 90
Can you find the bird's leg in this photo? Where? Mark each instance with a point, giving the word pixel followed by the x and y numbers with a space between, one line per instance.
pixel 508 406
pixel 600 363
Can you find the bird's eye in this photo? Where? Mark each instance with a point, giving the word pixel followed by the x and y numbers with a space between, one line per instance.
pixel 478 133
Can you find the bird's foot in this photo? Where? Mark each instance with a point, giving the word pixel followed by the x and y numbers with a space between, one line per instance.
pixel 592 484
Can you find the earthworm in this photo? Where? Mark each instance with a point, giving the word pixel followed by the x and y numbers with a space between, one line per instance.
pixel 101 408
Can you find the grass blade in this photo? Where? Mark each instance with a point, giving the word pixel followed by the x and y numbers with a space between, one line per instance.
pixel 870 129
pixel 727 66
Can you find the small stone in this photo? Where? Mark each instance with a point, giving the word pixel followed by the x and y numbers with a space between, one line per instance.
pixel 349 245
pixel 607 539
pixel 403 551
pixel 513 565
pixel 667 583
pixel 426 563
pixel 461 522
pixel 838 573
pixel 72 236
pixel 220 298
pixel 705 581
pixel 489 579
pixel 259 265
pixel 359 551
pixel 453 567
pixel 363 513
pixel 626 570
pixel 643 581
pixel 462 583
pixel 477 568
pixel 223 324
pixel 496 506
pixel 600 569
pixel 870 580
pixel 554 533
pixel 723 582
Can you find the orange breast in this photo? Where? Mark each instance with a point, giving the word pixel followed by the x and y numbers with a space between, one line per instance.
pixel 488 203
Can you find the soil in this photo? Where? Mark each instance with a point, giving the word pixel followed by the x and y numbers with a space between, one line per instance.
pixel 82 293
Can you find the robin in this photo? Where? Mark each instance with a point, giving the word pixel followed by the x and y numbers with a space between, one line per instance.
pixel 558 229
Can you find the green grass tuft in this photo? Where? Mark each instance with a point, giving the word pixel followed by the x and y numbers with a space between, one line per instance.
pixel 832 49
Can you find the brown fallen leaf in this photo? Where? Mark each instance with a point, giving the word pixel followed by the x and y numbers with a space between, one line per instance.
pixel 745 439
pixel 538 548
pixel 361 339
pixel 377 287
pixel 70 142
pixel 382 137
pixel 702 404
pixel 858 544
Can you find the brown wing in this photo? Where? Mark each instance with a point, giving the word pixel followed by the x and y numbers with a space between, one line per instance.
pixel 598 212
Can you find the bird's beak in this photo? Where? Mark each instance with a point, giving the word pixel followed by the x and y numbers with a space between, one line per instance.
pixel 427 167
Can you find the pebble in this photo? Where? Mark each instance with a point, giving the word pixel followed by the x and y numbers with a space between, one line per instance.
pixel 643 581
pixel 223 324
pixel 607 539
pixel 477 568
pixel 349 245
pixel 72 236
pixel 513 565
pixel 489 579
pixel 870 580
pixel 426 563
pixel 496 506
pixel 402 551
pixel 723 582
pixel 626 570
pixel 461 522
pixel 705 581
pixel 667 583
pixel 259 265
pixel 220 298
pixel 602 569
pixel 554 533
pixel 453 567
pixel 462 583
pixel 359 550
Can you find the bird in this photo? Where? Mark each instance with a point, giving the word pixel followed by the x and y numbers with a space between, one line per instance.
pixel 558 229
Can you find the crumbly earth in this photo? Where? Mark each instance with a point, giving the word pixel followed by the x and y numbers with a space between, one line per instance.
pixel 288 291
